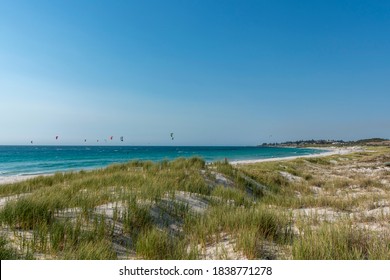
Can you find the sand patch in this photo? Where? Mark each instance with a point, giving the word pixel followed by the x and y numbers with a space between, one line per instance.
pixel 195 203
pixel 322 214
pixel 111 209
pixel 377 212
pixel 290 177
pixel 6 199
pixel 223 249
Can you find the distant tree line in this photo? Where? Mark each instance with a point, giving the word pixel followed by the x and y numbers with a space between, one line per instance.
pixel 322 142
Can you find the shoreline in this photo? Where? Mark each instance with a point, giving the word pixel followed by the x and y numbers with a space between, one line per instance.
pixel 330 151
pixel 18 178
pixel 4 180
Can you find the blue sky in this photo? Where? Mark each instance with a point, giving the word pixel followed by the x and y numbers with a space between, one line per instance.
pixel 213 72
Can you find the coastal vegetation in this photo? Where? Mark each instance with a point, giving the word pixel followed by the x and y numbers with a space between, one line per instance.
pixel 328 142
pixel 334 207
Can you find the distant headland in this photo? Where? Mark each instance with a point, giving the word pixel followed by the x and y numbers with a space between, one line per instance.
pixel 322 143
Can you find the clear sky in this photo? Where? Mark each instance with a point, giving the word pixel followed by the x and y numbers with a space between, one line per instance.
pixel 213 72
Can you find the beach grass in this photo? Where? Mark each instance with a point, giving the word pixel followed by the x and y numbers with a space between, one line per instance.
pixel 6 251
pixel 340 242
pixel 187 209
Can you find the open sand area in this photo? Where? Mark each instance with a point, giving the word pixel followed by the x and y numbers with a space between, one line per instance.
pixel 330 152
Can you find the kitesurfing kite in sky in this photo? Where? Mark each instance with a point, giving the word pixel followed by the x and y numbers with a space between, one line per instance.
pixel 172 136
pixel 121 138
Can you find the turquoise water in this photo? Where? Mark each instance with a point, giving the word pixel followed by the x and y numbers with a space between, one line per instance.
pixel 30 160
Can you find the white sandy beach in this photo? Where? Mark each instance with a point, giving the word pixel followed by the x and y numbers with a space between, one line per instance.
pixel 17 178
pixel 330 152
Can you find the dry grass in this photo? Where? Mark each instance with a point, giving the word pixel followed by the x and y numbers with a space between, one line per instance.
pixel 185 209
pixel 325 195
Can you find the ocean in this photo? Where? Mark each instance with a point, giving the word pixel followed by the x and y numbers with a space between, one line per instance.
pixel 33 160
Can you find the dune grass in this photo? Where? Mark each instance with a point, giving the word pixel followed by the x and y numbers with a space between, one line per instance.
pixel 340 242
pixel 179 210
pixel 7 252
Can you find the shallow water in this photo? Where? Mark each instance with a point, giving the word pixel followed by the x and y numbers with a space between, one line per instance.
pixel 31 160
